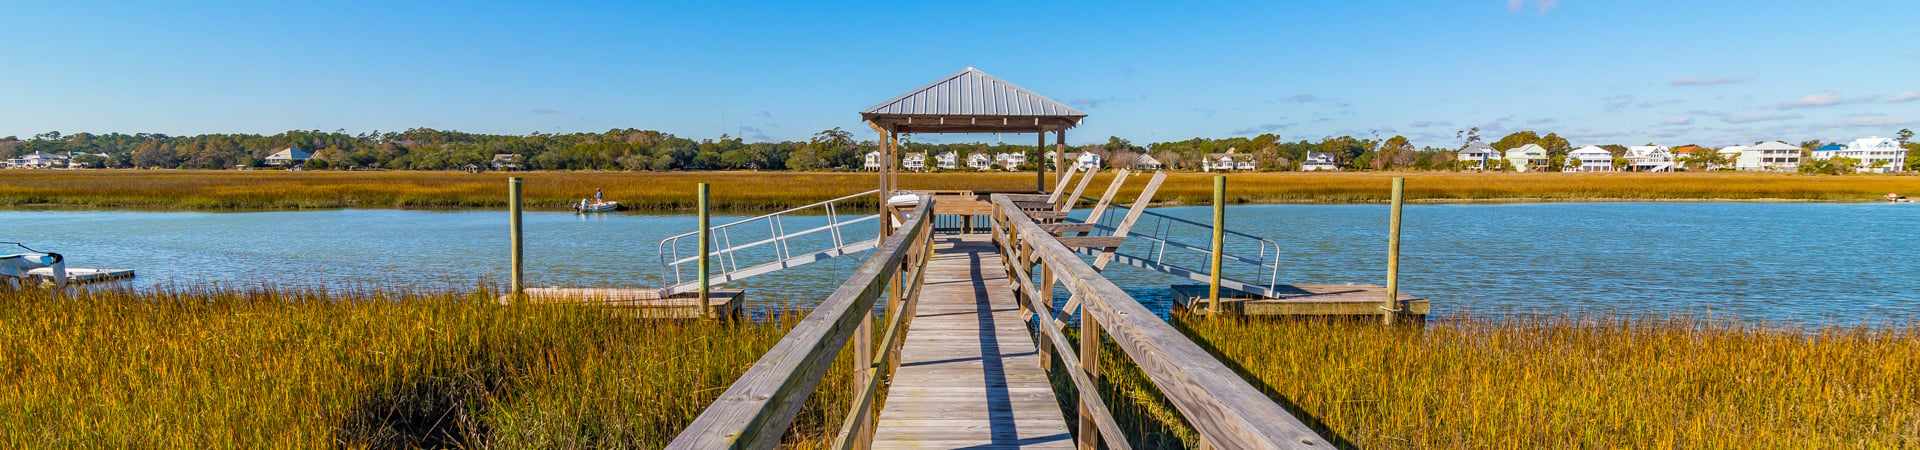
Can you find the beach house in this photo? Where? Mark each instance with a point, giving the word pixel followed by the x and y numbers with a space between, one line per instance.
pixel 1876 154
pixel 914 162
pixel 1589 159
pixel 1528 158
pixel 1229 161
pixel 504 161
pixel 1827 151
pixel 979 161
pixel 946 160
pixel 1010 160
pixel 1146 162
pixel 292 155
pixel 1730 154
pixel 37 160
pixel 1317 161
pixel 1773 156
pixel 871 162
pixel 1479 155
pixel 1649 158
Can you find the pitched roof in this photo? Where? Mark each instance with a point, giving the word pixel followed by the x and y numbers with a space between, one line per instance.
pixel 291 153
pixel 1590 149
pixel 1478 146
pixel 972 94
pixel 1830 147
pixel 1774 145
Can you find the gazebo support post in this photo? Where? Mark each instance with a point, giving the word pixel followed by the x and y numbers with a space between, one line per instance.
pixel 1040 164
pixel 1060 156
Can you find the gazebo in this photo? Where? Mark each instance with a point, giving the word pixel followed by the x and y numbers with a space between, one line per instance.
pixel 970 101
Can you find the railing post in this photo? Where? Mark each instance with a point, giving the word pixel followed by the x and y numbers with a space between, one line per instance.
pixel 513 224
pixel 1219 241
pixel 706 247
pixel 1044 294
pixel 1089 362
pixel 1392 306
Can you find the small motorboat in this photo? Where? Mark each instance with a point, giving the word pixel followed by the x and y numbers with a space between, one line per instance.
pixel 586 206
pixel 34 266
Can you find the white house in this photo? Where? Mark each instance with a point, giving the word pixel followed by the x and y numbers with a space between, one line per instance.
pixel 1887 153
pixel 1010 160
pixel 1318 161
pixel 1769 156
pixel 1087 160
pixel 979 161
pixel 1528 158
pixel 914 162
pixel 946 160
pixel 1649 158
pixel 292 155
pixel 37 160
pixel 1222 162
pixel 1479 155
pixel 1827 151
pixel 872 163
pixel 1146 162
pixel 1589 159
pixel 1729 153
pixel 505 161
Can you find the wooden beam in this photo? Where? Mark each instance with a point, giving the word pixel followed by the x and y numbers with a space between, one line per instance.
pixel 1067 204
pixel 1060 186
pixel 1126 225
pixel 1100 242
pixel 1059 228
pixel 1119 178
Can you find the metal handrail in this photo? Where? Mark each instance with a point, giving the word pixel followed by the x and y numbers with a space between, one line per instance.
pixel 1160 238
pixel 756 410
pixel 726 254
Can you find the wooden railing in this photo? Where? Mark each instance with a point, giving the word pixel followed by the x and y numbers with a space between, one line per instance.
pixel 758 408
pixel 1225 410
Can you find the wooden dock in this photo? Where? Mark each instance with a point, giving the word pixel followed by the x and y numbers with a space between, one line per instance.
pixel 1301 300
pixel 641 303
pixel 969 375
pixel 76 275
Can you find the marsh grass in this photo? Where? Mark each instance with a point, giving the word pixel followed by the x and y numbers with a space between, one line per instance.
pixel 273 369
pixel 750 191
pixel 1559 383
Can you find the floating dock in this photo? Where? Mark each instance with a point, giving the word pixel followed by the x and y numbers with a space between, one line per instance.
pixel 641 303
pixel 1301 300
pixel 77 275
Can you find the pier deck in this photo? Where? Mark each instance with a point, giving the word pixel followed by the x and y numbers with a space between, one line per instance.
pixel 969 375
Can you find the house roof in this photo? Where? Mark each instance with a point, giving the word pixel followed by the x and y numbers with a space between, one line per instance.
pixel 1478 146
pixel 504 156
pixel 291 153
pixel 1774 145
pixel 1686 148
pixel 1527 148
pixel 1830 147
pixel 1591 149
pixel 1733 149
pixel 971 101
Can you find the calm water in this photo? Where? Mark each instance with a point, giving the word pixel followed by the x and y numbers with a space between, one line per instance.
pixel 1792 263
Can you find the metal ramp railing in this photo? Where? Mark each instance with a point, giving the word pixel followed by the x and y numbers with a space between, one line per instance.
pixel 1162 233
pixel 769 246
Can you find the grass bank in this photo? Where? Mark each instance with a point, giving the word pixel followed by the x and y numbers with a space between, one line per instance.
pixel 1562 383
pixel 748 191
pixel 230 369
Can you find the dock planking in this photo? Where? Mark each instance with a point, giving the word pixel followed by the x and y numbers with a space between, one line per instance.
pixel 969 375
pixel 1301 300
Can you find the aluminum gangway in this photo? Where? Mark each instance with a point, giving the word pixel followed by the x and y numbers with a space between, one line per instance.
pixel 766 245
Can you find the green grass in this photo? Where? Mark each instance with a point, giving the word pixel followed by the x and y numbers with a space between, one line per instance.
pixel 750 191
pixel 268 369
pixel 1560 383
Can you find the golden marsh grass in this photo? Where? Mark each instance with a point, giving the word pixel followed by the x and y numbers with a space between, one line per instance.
pixel 267 369
pixel 1562 383
pixel 272 189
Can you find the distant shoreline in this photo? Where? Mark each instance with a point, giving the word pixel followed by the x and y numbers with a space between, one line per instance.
pixel 763 191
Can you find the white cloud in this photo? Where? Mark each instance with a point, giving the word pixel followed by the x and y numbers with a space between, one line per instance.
pixel 1679 121
pixel 1904 97
pixel 1822 99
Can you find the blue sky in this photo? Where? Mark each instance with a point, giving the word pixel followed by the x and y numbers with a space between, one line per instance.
pixel 1612 71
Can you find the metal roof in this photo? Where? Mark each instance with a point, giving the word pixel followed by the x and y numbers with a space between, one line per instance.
pixel 973 94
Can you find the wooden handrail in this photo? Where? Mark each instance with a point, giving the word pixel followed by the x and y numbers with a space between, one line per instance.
pixel 1226 410
pixel 756 410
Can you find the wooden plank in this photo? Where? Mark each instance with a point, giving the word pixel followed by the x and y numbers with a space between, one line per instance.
pixel 1119 178
pixel 756 410
pixel 1063 228
pixel 1101 242
pixel 1221 406
pixel 1067 204
pixel 969 376
pixel 1061 185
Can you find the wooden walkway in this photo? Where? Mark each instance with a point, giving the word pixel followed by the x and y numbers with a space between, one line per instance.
pixel 969 376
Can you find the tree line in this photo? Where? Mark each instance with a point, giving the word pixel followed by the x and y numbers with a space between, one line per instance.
pixel 833 149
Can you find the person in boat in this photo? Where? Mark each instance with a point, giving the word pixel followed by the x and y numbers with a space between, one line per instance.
pixel 596 195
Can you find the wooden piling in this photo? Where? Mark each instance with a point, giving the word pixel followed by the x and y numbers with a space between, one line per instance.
pixel 706 246
pixel 513 226
pixel 1392 306
pixel 1219 241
